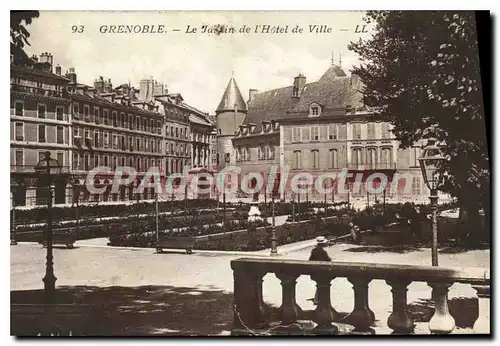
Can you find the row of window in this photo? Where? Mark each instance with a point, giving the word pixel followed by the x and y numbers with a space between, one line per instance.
pixel 177 132
pixel 101 139
pixel 265 152
pixel 121 120
pixel 19 157
pixel 201 137
pixel 19 133
pixel 90 161
pixel 41 110
pixel 37 84
pixel 371 156
pixel 313 159
pixel 178 148
pixel 357 158
pixel 314 133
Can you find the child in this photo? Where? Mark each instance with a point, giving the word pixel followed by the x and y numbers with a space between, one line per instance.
pixel 354 230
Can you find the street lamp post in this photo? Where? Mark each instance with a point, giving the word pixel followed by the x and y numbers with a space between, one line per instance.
pixel 430 163
pixel 156 219
pixel 224 207
pixel 274 250
pixel 326 206
pixel 45 168
pixel 13 221
pixel 298 206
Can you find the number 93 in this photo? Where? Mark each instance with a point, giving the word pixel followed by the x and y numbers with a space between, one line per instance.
pixel 77 29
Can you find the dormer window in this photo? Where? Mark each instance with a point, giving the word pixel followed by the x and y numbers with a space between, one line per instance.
pixel 314 109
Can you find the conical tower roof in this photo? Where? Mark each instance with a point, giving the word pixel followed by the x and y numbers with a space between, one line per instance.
pixel 231 99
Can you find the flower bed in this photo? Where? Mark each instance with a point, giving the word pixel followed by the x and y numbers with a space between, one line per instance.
pixel 146 237
pixel 98 211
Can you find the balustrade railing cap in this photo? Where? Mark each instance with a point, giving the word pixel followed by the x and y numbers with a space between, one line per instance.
pixel 367 270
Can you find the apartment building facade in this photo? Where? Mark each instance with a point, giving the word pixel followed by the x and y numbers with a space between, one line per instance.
pixel 85 127
pixel 39 122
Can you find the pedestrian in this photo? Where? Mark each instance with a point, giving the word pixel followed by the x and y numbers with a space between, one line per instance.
pixel 416 224
pixel 319 254
pixel 354 230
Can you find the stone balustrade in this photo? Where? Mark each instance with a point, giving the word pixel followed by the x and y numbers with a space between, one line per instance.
pixel 252 315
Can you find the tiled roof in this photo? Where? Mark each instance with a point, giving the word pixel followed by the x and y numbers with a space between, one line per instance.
pixel 333 90
pixel 231 99
pixel 199 119
pixel 37 72
pixel 269 105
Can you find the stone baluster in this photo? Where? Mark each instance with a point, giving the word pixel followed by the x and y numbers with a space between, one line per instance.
pixel 361 317
pixel 289 310
pixel 400 320
pixel 324 314
pixel 441 322
pixel 246 301
pixel 263 308
pixel 482 324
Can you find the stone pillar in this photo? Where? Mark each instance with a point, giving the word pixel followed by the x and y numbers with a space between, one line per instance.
pixel 192 155
pixel 362 317
pixel 199 155
pixel 400 320
pixel 250 310
pixel 482 324
pixel 324 314
pixel 289 311
pixel 441 322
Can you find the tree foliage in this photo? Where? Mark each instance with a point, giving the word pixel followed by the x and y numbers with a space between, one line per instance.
pixel 19 34
pixel 422 70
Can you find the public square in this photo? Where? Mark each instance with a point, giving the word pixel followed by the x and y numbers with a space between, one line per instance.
pixel 175 293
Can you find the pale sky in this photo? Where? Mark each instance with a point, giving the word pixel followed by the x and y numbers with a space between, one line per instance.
pixel 198 66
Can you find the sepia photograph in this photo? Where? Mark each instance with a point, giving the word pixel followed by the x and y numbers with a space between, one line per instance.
pixel 250 173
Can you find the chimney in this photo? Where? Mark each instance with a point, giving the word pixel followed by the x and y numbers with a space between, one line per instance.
pixel 71 75
pixel 34 58
pixel 99 85
pixel 251 94
pixel 158 89
pixel 298 84
pixel 58 70
pixel 48 59
pixel 108 87
pixel 143 89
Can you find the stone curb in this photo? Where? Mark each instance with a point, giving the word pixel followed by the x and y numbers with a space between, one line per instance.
pixel 261 253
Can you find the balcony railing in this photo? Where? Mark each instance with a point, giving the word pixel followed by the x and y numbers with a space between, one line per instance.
pixel 252 314
pixel 36 90
pixel 367 166
pixel 31 169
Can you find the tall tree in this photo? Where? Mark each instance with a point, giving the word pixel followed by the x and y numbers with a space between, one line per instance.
pixel 422 69
pixel 19 34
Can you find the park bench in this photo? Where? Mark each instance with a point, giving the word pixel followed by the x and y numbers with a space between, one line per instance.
pixel 60 237
pixel 168 242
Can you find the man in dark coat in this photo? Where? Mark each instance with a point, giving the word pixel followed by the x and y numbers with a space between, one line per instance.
pixel 319 254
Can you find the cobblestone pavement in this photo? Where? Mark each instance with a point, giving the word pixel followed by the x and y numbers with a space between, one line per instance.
pixel 104 267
